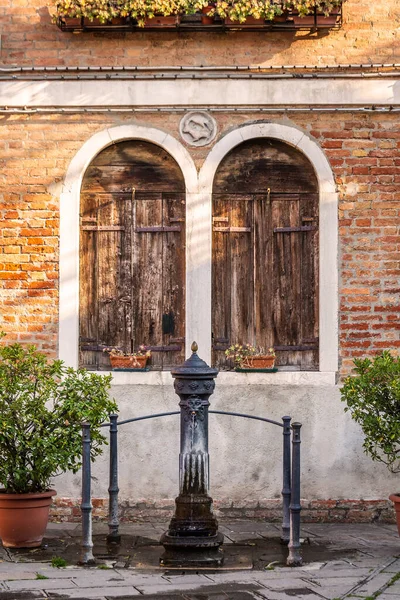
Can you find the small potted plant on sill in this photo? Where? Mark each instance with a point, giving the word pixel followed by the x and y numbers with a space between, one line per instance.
pixel 128 360
pixel 304 11
pixel 42 406
pixel 247 13
pixel 373 400
pixel 246 356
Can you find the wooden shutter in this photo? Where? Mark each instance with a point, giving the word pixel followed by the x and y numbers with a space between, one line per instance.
pixel 265 254
pixel 132 256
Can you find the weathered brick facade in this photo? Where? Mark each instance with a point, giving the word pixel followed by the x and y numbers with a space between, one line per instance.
pixel 357 132
pixel 369 35
pixel 363 150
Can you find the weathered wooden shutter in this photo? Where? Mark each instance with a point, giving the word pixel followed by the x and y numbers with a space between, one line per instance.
pixel 265 254
pixel 132 256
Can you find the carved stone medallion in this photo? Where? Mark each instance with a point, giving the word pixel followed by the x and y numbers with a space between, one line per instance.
pixel 198 128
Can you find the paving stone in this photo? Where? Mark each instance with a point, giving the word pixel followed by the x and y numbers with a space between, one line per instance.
pixel 328 572
pixel 188 578
pixel 394 567
pixel 302 593
pixel 340 585
pixel 28 595
pixel 394 589
pixel 39 584
pixel 95 592
pixel 375 584
pixel 10 576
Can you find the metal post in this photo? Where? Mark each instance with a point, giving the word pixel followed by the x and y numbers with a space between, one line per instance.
pixel 113 489
pixel 86 506
pixel 294 558
pixel 286 492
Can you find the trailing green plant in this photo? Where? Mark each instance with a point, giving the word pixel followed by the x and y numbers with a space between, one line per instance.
pixel 42 406
pixel 373 400
pixel 240 10
pixel 140 10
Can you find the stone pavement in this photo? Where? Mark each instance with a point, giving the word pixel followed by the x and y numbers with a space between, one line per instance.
pixel 340 561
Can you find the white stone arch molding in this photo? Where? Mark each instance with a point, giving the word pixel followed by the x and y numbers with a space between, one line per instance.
pixel 328 233
pixel 69 223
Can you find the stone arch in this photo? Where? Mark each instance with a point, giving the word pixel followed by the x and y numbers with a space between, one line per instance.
pixel 69 220
pixel 328 242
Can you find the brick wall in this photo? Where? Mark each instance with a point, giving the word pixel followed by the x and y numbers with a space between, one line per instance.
pixel 313 511
pixel 363 151
pixel 370 34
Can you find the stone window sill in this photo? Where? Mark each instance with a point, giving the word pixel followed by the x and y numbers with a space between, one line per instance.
pixel 227 378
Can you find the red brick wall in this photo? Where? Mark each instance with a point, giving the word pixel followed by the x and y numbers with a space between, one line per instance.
pixel 370 34
pixel 313 511
pixel 363 151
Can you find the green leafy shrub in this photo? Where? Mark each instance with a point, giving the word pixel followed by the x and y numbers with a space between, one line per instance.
pixel 42 406
pixel 373 399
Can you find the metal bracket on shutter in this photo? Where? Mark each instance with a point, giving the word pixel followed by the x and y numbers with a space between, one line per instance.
pixel 233 229
pixel 294 229
pixel 300 348
pixel 171 348
pixel 157 229
pixel 103 228
pixel 220 343
pixel 93 347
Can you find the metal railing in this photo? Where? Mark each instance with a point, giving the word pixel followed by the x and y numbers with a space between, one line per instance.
pixel 290 489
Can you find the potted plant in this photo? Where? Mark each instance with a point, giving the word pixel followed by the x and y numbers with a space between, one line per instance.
pixel 246 356
pixel 373 400
pixel 42 406
pixel 306 13
pixel 247 12
pixel 128 360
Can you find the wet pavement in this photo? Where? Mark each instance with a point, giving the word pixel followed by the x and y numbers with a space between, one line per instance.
pixel 339 561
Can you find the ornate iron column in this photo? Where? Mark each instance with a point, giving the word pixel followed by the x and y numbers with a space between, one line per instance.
pixel 193 538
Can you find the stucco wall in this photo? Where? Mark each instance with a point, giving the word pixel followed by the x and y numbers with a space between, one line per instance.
pixel 245 456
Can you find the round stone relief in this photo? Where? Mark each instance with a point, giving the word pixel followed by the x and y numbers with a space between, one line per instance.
pixel 198 128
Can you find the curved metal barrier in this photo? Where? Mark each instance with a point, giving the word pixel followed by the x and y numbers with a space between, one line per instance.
pixel 290 488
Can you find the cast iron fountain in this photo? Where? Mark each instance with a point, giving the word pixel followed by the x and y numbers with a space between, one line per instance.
pixel 193 538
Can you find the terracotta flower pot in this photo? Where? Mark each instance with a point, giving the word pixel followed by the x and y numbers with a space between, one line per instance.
pixel 395 498
pixel 260 362
pixel 249 22
pixel 23 518
pixel 322 20
pixel 205 18
pixel 161 21
pixel 128 362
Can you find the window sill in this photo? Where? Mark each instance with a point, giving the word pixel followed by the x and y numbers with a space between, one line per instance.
pixel 316 378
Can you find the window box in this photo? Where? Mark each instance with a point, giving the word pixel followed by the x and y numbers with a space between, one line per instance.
pixel 162 21
pixel 249 22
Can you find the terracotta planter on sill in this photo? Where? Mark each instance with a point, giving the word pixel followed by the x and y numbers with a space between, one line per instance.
pixel 205 18
pixel 249 22
pixel 72 22
pixel 260 362
pixel 395 498
pixel 23 518
pixel 161 21
pixel 322 20
pixel 128 362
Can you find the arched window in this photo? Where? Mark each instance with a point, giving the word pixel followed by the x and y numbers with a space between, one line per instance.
pixel 132 255
pixel 265 253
